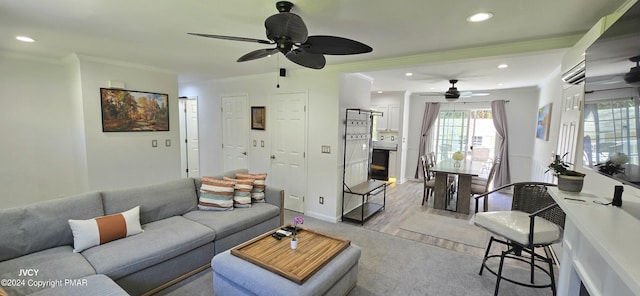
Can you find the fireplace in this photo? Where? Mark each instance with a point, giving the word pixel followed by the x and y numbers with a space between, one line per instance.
pixel 380 164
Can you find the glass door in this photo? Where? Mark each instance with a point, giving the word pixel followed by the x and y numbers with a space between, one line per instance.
pixel 452 133
pixel 468 131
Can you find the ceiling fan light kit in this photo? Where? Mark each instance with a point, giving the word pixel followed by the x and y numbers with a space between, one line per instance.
pixel 287 31
pixel 452 93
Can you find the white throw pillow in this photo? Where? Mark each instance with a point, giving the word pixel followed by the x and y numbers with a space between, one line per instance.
pixel 100 230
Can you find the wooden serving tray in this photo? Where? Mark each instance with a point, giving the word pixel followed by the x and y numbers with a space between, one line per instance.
pixel 314 251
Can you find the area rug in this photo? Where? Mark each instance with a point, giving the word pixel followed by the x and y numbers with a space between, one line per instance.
pixel 448 228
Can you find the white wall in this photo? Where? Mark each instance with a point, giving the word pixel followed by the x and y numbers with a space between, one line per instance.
pixel 124 159
pixel 323 89
pixel 53 144
pixel 38 159
pixel 551 90
pixel 521 122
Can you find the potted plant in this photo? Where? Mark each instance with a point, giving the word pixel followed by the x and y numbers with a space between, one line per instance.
pixel 568 180
pixel 294 239
pixel 613 165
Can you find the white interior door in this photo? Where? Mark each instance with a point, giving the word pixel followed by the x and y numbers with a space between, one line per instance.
pixel 235 132
pixel 571 112
pixel 288 140
pixel 192 142
pixel 189 147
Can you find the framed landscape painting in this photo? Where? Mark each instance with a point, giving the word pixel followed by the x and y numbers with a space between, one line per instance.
pixel 134 111
pixel 544 122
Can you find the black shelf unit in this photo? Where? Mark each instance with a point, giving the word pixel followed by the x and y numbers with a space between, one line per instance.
pixel 359 127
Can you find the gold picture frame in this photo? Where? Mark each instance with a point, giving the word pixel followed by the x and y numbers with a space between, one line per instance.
pixel 134 111
pixel 258 118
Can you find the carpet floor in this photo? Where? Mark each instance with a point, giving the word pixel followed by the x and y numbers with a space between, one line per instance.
pixel 392 265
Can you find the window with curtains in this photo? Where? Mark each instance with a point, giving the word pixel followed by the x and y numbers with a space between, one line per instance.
pixel 463 130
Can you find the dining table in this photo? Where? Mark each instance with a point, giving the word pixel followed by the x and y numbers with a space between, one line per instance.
pixel 458 189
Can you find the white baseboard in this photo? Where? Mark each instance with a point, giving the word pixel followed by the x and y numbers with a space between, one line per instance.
pixel 323 217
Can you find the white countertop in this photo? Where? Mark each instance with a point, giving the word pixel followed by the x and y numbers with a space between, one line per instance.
pixel 614 233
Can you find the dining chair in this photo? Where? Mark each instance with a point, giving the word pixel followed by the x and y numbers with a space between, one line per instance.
pixel 481 155
pixel 429 180
pixel 535 221
pixel 431 158
pixel 481 185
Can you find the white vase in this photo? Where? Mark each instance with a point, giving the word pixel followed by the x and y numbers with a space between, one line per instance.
pixel 294 244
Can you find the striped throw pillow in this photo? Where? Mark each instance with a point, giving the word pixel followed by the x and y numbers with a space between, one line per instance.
pixel 101 230
pixel 242 192
pixel 216 195
pixel 259 181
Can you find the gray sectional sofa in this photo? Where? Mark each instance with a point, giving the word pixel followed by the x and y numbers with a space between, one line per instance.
pixel 178 240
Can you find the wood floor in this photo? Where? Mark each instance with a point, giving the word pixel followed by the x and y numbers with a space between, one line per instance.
pixel 404 200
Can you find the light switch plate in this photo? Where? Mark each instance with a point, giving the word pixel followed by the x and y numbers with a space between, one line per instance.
pixel 154 143
pixel 167 143
pixel 326 149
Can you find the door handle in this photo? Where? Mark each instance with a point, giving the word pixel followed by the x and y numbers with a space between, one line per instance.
pixel 244 153
pixel 273 157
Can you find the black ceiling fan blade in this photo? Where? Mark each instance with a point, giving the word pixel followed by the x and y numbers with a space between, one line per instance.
pixel 256 54
pixel 233 38
pixel 306 59
pixel 334 45
pixel 286 25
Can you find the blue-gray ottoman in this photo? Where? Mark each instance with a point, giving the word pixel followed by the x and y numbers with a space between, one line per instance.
pixel 235 276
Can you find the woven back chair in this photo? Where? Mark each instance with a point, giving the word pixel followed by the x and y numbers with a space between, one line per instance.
pixel 535 221
pixel 532 197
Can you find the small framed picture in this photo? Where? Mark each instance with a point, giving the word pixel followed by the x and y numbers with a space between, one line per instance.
pixel 258 118
pixel 544 122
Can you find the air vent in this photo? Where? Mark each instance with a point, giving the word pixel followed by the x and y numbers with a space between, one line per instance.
pixel 575 75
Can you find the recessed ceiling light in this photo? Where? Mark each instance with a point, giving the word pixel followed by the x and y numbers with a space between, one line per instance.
pixel 408 74
pixel 503 66
pixel 480 17
pixel 25 39
pixel 379 91
pixel 500 84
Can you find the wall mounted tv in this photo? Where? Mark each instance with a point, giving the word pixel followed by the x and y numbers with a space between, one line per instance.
pixel 612 101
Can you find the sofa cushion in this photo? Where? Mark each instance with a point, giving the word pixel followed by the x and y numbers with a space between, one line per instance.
pixel 96 285
pixel 160 241
pixel 159 201
pixel 229 222
pixel 230 174
pixel 44 225
pixel 241 192
pixel 216 195
pixel 101 230
pixel 259 181
pixel 52 264
pixel 514 225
